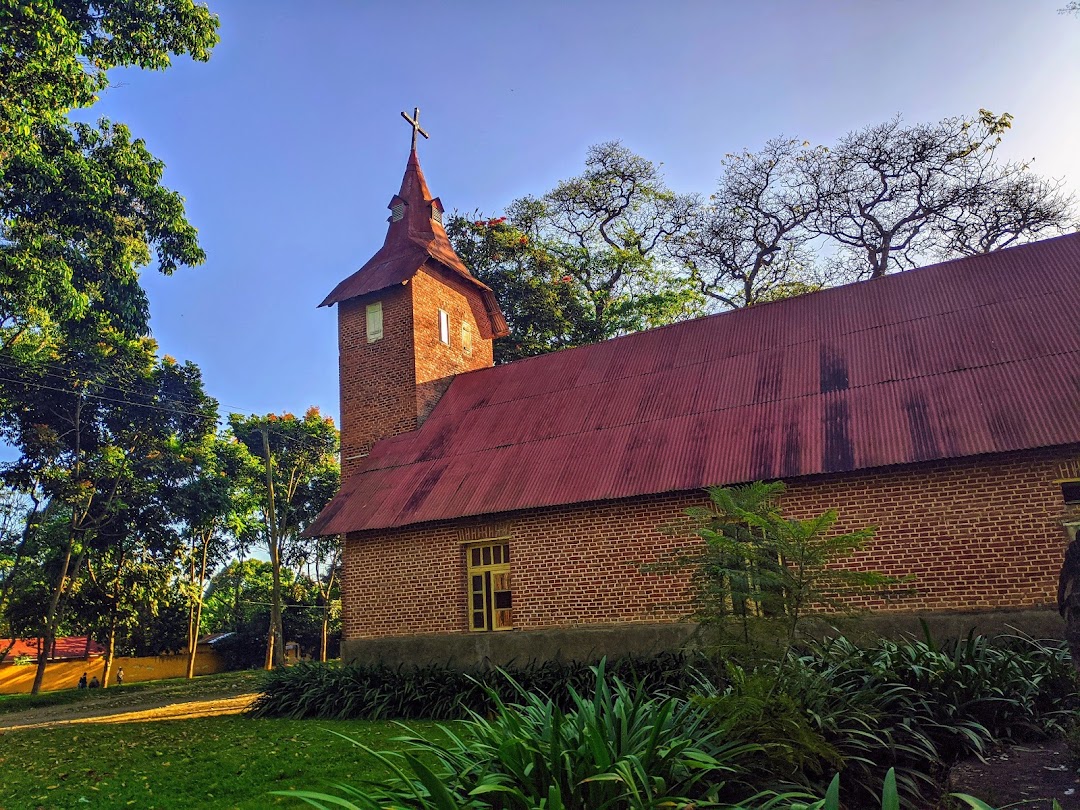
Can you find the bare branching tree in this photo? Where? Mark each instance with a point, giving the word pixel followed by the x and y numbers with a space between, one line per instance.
pixel 882 190
pixel 1009 209
pixel 749 243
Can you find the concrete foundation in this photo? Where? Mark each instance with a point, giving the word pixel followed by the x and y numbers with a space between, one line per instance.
pixel 590 643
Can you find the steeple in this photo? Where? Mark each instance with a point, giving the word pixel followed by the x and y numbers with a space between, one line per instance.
pixel 416 235
pixel 410 320
pixel 416 216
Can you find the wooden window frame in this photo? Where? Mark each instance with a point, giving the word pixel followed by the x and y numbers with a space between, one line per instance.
pixel 466 337
pixel 487 567
pixel 373 313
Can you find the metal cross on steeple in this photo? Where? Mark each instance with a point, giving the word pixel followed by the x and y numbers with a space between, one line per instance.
pixel 415 123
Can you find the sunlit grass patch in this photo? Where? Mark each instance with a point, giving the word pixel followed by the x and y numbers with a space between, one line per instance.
pixel 212 762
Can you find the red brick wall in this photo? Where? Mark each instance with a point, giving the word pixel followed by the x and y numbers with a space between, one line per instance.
pixel 438 362
pixel 377 380
pixel 390 386
pixel 979 533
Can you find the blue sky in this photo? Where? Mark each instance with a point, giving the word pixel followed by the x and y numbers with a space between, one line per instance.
pixel 288 145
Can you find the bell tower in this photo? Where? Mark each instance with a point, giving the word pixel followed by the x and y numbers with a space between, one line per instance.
pixel 409 320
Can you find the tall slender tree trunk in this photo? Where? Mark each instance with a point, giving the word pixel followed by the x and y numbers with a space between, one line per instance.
pixel 50 618
pixel 323 651
pixel 114 621
pixel 195 620
pixel 275 643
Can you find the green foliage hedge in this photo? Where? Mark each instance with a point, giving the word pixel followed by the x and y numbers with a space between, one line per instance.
pixel 915 706
pixel 784 728
pixel 376 692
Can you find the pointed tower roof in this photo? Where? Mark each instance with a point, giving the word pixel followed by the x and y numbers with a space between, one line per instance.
pixel 414 238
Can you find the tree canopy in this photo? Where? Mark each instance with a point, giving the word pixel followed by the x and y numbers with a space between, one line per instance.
pixel 614 250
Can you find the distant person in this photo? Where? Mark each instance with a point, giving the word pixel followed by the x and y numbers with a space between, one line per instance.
pixel 1068 598
pixel 95 683
pixel 120 677
pixel 82 681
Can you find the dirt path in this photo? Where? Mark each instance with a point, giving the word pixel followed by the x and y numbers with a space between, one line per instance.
pixel 175 700
pixel 150 710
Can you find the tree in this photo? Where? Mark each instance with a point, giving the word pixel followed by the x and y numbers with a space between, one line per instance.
pixel 749 243
pixel 82 208
pixel 543 304
pixel 1011 208
pixel 238 601
pixel 587 261
pixel 752 561
pixel 324 561
pixel 215 512
pixel 887 193
pixel 300 474
pixel 91 429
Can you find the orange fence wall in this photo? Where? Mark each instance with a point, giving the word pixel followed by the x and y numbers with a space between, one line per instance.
pixel 17 679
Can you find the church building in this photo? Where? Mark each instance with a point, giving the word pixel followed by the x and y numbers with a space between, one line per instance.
pixel 506 512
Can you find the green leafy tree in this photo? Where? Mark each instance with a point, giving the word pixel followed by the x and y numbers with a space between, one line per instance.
pixel 299 475
pixel 93 429
pixel 131 556
pixel 587 261
pixel 82 207
pixel 215 512
pixel 542 302
pixel 754 562
pixel 238 601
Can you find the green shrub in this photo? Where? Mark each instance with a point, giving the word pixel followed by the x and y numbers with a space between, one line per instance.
pixel 911 708
pixel 919 707
pixel 438 692
pixel 618 749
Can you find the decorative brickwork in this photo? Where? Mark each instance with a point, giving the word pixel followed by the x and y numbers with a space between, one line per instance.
pixel 981 533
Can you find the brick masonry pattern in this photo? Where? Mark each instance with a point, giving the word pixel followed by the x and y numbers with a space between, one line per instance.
pixel 390 386
pixel 980 533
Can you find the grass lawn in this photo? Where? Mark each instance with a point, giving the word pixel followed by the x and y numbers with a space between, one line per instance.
pixel 216 762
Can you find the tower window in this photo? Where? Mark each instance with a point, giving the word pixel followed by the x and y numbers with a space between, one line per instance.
pixel 436 214
pixel 444 326
pixel 397 212
pixel 466 337
pixel 373 319
pixel 1070 492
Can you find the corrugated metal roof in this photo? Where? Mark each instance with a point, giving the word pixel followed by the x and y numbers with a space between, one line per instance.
pixel 979 355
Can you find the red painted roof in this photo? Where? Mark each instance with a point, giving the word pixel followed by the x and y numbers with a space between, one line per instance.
pixel 412 241
pixel 979 355
pixel 66 647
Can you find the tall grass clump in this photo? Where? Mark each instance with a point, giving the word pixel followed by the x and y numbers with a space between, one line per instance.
pixel 436 692
pixel 618 749
pixel 913 706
